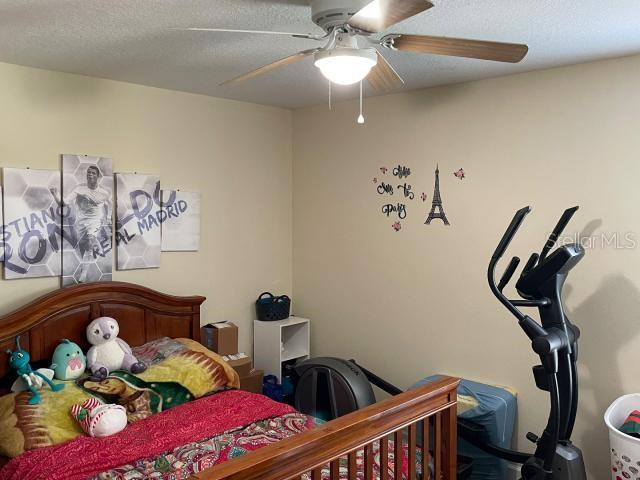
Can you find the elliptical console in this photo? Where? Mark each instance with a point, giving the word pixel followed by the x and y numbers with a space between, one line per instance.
pixel 555 341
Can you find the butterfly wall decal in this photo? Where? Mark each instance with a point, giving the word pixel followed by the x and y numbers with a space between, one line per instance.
pixel 459 174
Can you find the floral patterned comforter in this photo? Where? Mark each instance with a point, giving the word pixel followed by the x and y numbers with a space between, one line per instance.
pixel 187 460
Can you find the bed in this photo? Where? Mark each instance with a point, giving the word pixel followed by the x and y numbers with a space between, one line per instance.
pixel 415 431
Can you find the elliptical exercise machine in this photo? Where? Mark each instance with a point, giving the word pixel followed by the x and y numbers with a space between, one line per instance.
pixel 337 386
pixel 555 341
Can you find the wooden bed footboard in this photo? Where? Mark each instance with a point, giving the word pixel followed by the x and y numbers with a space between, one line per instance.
pixel 403 418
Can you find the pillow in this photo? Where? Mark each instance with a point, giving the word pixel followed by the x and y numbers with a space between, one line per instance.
pixel 179 370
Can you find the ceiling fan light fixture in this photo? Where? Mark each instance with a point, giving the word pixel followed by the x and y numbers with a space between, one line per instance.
pixel 346 66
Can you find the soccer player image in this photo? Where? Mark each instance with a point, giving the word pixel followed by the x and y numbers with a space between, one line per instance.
pixel 91 206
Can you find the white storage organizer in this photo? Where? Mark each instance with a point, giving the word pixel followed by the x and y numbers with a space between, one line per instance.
pixel 625 450
pixel 281 341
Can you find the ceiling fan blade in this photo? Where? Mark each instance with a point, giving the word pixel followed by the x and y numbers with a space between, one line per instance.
pixel 271 66
pixel 383 78
pixel 260 32
pixel 379 15
pixel 457 47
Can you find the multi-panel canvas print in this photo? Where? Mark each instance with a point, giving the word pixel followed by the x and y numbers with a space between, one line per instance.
pixel 31 223
pixel 138 224
pixel 87 195
pixel 181 225
pixel 60 223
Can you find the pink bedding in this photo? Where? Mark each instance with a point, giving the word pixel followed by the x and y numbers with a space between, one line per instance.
pixel 86 457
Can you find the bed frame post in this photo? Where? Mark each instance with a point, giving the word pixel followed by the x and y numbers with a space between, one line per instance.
pixel 451 441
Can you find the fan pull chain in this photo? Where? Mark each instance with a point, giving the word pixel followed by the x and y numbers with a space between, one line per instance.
pixel 330 108
pixel 360 117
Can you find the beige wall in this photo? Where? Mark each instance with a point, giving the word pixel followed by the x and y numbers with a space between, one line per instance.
pixel 416 302
pixel 236 154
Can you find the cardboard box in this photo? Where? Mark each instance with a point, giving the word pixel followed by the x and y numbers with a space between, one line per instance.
pixel 252 382
pixel 240 362
pixel 221 337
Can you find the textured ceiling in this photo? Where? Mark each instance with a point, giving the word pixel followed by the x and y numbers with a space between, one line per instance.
pixel 131 40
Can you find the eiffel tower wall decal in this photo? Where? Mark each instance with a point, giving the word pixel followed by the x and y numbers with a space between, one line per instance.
pixel 437 203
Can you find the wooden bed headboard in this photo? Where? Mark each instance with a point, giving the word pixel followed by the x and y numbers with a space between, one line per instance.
pixel 143 315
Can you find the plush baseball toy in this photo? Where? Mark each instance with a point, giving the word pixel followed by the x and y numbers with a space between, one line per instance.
pixel 109 352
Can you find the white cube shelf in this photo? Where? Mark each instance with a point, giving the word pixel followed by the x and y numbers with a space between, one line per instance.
pixel 281 341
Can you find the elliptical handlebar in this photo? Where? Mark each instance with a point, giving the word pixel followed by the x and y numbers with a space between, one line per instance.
pixel 508 273
pixel 533 259
pixel 513 227
pixel 557 231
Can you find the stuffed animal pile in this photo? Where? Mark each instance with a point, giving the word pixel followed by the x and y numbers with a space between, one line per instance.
pixel 107 354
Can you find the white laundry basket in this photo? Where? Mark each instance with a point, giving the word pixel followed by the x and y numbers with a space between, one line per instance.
pixel 625 450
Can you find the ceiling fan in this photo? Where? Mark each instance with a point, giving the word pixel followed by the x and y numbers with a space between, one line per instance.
pixel 343 61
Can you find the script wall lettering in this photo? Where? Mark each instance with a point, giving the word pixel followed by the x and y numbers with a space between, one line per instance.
pixel 401 171
pixel 385 188
pixel 406 188
pixel 399 208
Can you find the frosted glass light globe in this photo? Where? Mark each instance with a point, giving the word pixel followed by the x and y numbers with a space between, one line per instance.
pixel 346 66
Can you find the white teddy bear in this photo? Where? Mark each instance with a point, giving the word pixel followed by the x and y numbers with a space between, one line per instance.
pixel 109 352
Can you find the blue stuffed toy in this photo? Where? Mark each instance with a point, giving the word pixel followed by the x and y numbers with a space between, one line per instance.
pixel 19 361
pixel 68 361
